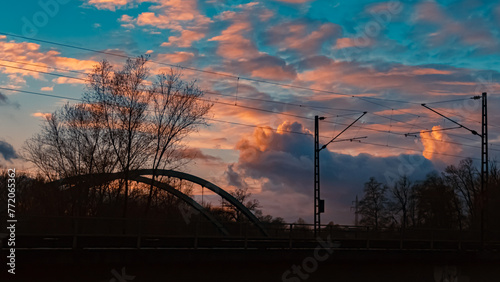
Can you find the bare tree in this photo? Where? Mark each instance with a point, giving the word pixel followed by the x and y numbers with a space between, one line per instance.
pixel 401 202
pixel 123 99
pixel 122 125
pixel 373 205
pixel 177 111
pixel 465 181
pixel 436 203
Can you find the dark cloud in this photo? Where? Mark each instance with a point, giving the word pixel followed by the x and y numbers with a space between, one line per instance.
pixel 197 154
pixel 4 101
pixel 7 151
pixel 233 178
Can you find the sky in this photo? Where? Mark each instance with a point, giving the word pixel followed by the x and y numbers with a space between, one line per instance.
pixel 270 67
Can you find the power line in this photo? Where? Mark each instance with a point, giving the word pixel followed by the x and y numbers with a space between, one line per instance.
pixel 246 107
pixel 248 98
pixel 218 102
pixel 178 66
pixel 207 92
pixel 248 125
pixel 201 70
pixel 44 66
pixel 41 94
pixel 449 101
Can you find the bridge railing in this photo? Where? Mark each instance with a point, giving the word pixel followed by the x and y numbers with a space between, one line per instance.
pixel 288 234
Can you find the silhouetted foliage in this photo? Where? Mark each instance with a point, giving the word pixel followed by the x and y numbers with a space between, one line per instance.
pixel 373 205
pixel 451 201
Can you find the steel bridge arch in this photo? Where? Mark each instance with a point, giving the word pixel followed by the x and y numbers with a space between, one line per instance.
pixel 90 180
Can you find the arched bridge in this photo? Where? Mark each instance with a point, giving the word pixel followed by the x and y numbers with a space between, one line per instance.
pixel 91 180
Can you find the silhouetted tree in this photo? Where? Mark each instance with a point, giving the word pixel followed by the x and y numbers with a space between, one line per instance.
pixel 465 180
pixel 177 111
pixel 436 203
pixel 373 205
pixel 243 196
pixel 122 125
pixel 402 201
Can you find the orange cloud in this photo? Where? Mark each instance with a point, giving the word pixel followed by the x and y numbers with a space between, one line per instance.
pixel 30 53
pixel 42 115
pixel 433 144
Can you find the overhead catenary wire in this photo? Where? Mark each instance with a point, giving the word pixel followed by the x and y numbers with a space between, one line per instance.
pixel 246 125
pixel 215 93
pixel 218 102
pixel 205 91
pixel 252 108
pixel 200 70
pixel 174 65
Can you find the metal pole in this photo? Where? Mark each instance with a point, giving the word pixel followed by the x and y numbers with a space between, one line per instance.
pixel 316 176
pixel 484 163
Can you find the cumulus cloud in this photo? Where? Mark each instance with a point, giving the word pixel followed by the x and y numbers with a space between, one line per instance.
pixel 434 145
pixel 282 163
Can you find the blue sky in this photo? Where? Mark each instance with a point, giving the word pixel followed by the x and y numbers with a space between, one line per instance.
pixel 383 57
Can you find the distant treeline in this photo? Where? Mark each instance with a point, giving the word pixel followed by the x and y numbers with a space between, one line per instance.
pixel 450 200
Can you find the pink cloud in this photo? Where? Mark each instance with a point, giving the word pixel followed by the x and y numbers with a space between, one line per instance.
pixel 233 44
pixel 170 14
pixel 274 73
pixel 406 80
pixel 186 39
pixel 111 5
pixel 430 12
pixel 294 1
pixel 359 42
pixel 30 53
pixel 302 37
pixel 468 32
pixel 177 57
